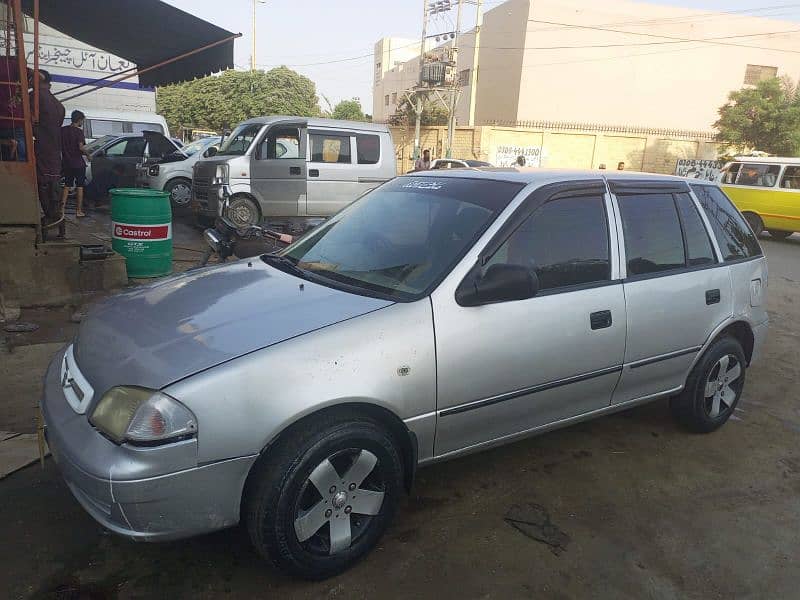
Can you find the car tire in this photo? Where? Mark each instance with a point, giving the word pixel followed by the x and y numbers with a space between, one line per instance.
pixel 755 222
pixel 713 388
pixel 243 211
pixel 307 485
pixel 180 193
pixel 779 234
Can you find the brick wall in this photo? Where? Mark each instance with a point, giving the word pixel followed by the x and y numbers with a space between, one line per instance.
pixel 563 146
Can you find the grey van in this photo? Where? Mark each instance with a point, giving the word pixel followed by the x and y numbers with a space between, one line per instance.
pixel 440 314
pixel 292 171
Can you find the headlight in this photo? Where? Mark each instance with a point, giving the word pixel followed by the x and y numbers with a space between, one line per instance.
pixel 221 175
pixel 153 171
pixel 142 416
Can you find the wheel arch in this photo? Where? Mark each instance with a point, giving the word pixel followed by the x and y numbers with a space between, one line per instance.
pixel 406 438
pixel 740 330
pixel 174 178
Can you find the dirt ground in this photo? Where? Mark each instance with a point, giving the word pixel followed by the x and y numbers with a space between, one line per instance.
pixel 627 506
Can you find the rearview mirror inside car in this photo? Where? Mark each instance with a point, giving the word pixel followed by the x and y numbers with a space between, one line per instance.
pixel 499 283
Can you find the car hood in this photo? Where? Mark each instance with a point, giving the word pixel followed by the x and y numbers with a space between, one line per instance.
pixel 158 334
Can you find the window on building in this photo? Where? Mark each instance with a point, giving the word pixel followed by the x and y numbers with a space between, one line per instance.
pixel 732 232
pixel 791 178
pixel 368 149
pixel 386 100
pixel 377 66
pixel 545 242
pixel 394 97
pixel 698 244
pixel 759 175
pixel 463 77
pixel 330 148
pixel 653 238
pixel 755 73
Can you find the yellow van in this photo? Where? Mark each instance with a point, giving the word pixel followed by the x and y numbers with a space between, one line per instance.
pixel 766 191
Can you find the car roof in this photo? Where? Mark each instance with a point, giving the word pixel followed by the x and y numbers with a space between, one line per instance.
pixel 775 160
pixel 533 175
pixel 317 122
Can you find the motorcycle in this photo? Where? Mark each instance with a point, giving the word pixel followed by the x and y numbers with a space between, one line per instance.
pixel 226 240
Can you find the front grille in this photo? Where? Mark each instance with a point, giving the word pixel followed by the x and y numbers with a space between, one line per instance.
pixel 200 191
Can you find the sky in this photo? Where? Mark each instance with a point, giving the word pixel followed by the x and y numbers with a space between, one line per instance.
pixel 302 33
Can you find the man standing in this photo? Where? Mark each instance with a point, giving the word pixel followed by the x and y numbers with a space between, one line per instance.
pixel 73 148
pixel 47 148
pixel 424 163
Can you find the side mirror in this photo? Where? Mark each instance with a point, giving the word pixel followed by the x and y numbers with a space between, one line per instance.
pixel 500 283
pixel 209 152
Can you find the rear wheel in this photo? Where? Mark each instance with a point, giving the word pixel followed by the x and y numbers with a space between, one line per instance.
pixel 755 222
pixel 779 234
pixel 322 498
pixel 713 388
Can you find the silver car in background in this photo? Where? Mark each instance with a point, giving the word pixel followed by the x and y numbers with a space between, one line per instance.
pixel 442 313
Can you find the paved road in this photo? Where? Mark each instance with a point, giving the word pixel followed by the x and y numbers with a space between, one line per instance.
pixel 630 507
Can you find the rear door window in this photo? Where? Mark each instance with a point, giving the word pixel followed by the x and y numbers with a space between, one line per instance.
pixel 735 239
pixel 698 245
pixel 653 238
pixel 330 148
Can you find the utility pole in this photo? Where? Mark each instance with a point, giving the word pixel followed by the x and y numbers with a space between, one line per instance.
pixel 419 93
pixel 253 36
pixel 473 84
pixel 454 88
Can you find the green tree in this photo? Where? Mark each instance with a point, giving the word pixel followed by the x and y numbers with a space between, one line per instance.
pixel 349 110
pixel 765 117
pixel 220 101
pixel 433 113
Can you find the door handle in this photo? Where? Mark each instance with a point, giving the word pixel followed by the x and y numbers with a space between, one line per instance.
pixel 295 171
pixel 600 319
pixel 313 172
pixel 712 296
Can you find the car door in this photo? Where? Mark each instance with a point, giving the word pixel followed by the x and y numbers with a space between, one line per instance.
pixel 128 152
pixel 278 170
pixel 511 367
pixel 677 290
pixel 332 172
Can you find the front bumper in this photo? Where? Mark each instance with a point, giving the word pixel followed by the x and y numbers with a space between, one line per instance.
pixel 148 494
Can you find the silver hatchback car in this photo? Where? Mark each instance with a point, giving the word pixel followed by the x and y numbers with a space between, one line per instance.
pixel 442 313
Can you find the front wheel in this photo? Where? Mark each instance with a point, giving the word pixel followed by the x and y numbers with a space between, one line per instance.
pixel 755 222
pixel 243 211
pixel 779 234
pixel 322 497
pixel 180 193
pixel 713 388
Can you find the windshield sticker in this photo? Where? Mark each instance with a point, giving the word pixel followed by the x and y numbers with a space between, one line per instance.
pixel 424 184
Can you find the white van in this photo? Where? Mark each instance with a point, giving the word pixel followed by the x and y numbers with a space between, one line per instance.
pixel 114 122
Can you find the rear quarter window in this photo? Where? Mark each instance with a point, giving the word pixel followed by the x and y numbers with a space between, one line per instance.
pixel 368 148
pixel 735 239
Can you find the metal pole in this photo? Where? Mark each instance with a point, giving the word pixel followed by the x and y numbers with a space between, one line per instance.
pixel 35 61
pixel 473 84
pixel 451 118
pixel 253 40
pixel 418 92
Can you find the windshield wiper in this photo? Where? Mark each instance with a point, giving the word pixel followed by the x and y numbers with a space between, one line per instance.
pixel 284 263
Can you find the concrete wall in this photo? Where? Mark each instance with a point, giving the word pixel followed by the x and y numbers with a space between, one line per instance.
pixel 560 147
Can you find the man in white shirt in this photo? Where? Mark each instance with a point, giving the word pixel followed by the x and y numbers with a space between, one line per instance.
pixel 423 163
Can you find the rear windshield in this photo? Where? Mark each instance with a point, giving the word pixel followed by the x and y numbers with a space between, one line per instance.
pixel 402 238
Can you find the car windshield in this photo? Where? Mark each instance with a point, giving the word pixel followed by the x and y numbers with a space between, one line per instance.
pixel 239 140
pixel 401 239
pixel 99 143
pixel 199 145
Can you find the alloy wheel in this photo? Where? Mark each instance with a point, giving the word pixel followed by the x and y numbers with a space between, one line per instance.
pixel 723 385
pixel 181 194
pixel 337 501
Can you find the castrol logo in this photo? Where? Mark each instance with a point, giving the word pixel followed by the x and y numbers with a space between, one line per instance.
pixel 146 233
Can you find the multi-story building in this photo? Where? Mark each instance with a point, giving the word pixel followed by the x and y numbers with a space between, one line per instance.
pixel 612 63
